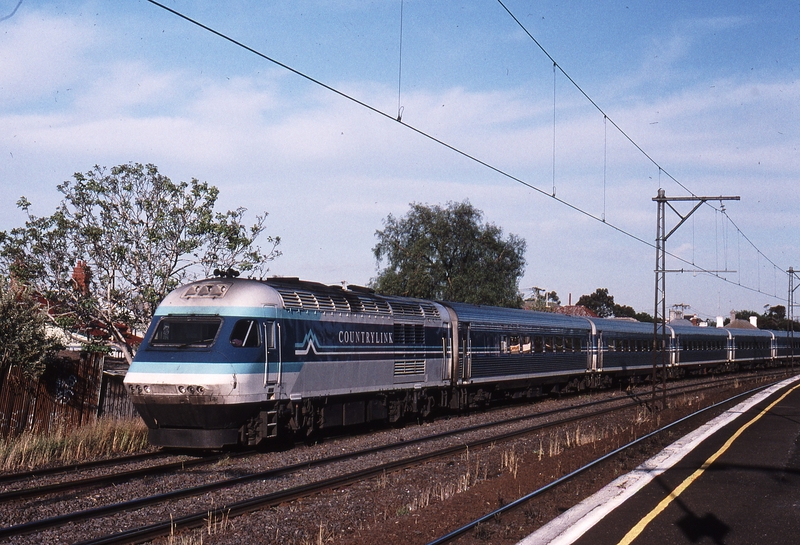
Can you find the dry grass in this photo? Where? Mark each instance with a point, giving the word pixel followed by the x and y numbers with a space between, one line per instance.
pixel 510 462
pixel 103 438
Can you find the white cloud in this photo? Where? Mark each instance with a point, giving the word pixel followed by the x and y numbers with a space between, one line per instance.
pixel 329 171
pixel 42 56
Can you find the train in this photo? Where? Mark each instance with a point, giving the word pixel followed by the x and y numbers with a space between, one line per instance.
pixel 231 361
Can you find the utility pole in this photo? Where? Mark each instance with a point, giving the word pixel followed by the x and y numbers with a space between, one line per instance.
pixel 792 288
pixel 661 345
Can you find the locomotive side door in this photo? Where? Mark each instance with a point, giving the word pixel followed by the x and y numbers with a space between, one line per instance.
pixel 273 359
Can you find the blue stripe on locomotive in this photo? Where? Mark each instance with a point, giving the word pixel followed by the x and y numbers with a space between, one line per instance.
pixel 305 337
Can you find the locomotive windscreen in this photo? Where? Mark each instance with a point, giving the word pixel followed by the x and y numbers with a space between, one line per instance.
pixel 184 332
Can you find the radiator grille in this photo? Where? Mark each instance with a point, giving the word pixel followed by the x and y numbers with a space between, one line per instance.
pixel 409 367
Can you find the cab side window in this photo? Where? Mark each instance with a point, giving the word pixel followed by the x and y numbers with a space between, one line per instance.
pixel 245 334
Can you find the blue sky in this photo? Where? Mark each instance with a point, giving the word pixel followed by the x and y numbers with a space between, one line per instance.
pixel 708 90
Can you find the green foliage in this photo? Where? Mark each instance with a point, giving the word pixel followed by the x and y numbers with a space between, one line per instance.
pixel 447 254
pixel 774 318
pixel 139 234
pixel 624 311
pixel 644 317
pixel 600 302
pixel 24 340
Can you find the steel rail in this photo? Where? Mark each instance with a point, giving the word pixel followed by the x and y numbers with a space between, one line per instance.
pixel 114 478
pixel 571 475
pixel 33 473
pixel 167 527
pixel 60 520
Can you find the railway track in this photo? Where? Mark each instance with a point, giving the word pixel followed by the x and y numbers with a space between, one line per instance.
pixel 83 466
pixel 305 484
pixel 110 479
pixel 495 514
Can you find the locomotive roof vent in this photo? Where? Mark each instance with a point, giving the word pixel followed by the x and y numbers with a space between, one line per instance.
pixel 301 295
pixel 211 289
pixel 419 309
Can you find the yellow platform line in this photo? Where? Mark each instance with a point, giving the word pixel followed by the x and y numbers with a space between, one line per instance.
pixel 634 532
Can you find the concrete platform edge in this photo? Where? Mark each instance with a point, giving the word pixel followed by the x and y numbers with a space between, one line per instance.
pixel 572 524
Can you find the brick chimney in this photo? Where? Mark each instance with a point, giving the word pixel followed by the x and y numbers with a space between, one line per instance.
pixel 82 277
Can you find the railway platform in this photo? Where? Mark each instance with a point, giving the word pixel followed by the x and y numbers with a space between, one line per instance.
pixel 735 480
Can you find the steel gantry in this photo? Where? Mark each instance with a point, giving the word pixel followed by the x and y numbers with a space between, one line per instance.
pixel 790 311
pixel 661 345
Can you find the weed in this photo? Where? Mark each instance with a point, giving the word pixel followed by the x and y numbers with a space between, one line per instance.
pixel 217 523
pixel 105 437
pixel 510 462
pixel 530 513
pixel 482 532
pixel 382 482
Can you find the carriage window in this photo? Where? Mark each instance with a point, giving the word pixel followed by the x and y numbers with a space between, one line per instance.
pixel 559 344
pixel 548 344
pixel 526 345
pixel 538 344
pixel 245 334
pixel 568 344
pixel 515 348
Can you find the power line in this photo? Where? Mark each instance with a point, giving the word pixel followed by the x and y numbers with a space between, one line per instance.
pixel 627 137
pixel 497 170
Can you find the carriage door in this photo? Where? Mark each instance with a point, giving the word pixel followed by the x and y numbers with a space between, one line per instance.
pixel 448 354
pixel 465 361
pixel 773 347
pixel 594 352
pixel 273 360
pixel 730 348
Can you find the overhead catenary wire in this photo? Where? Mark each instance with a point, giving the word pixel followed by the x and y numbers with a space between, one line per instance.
pixel 631 141
pixel 601 219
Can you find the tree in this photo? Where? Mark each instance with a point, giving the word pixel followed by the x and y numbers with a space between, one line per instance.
pixel 448 254
pixel 131 235
pixel 625 311
pixel 774 318
pixel 542 300
pixel 600 302
pixel 24 340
